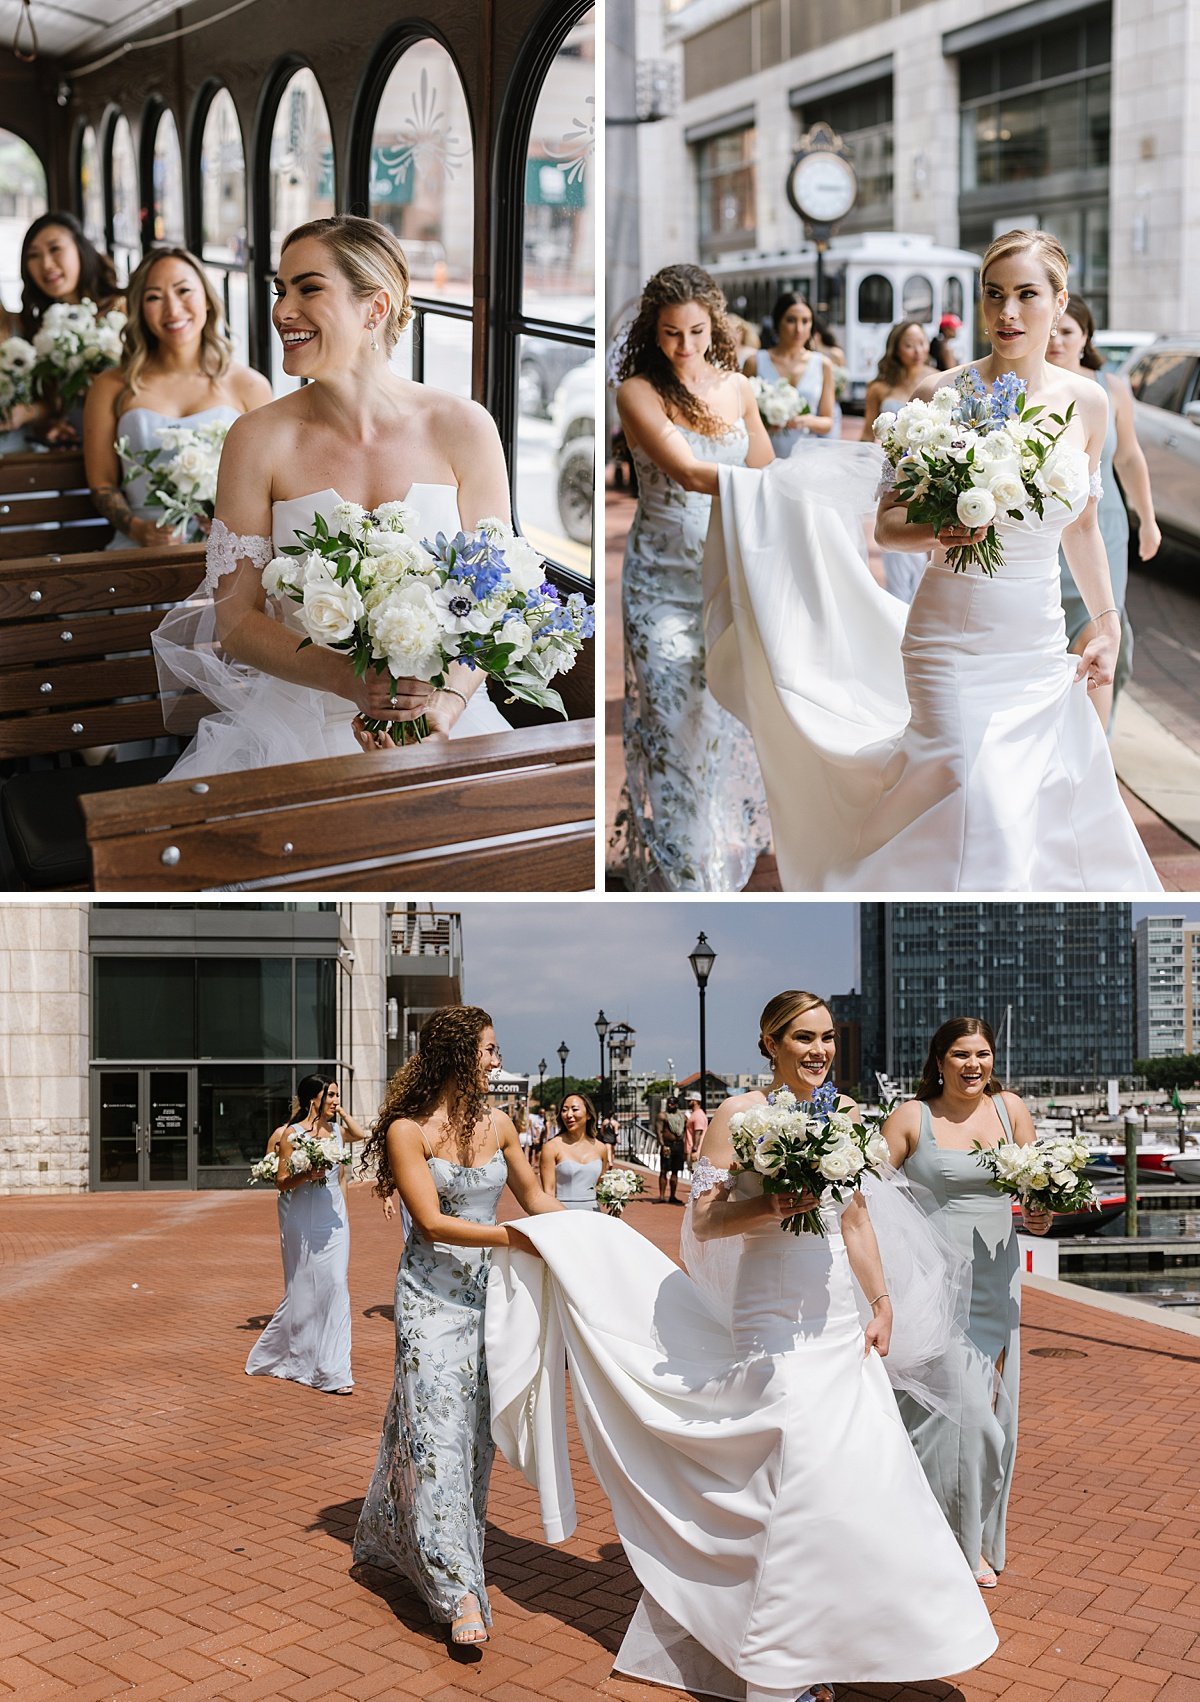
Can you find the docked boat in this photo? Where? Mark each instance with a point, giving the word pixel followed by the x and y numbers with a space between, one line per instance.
pixel 1184 1166
pixel 1107 1207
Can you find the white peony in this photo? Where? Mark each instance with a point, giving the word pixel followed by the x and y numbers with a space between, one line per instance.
pixel 406 632
pixel 348 517
pixel 331 611
pixel 976 507
pixel 919 432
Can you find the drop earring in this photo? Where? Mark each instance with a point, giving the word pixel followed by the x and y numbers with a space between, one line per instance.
pixel 371 329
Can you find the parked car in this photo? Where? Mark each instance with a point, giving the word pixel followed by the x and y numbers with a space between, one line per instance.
pixel 1165 380
pixel 1121 348
pixel 544 365
pixel 573 412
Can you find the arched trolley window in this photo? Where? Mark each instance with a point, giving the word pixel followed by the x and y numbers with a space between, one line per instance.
pixel 220 216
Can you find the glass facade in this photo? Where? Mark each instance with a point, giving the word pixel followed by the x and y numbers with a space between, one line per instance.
pixel 1066 971
pixel 862 117
pixel 725 178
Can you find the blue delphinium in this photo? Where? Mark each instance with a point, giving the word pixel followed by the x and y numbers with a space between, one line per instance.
pixel 475 560
pixel 984 405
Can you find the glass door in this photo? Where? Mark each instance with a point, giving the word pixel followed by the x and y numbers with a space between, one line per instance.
pixel 143 1128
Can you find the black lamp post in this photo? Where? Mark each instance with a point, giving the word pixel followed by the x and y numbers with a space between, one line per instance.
pixel 702 959
pixel 601 1031
pixel 541 1082
pixel 563 1053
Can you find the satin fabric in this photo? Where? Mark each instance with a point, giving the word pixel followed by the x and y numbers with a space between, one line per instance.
pixel 762 1484
pixel 952 752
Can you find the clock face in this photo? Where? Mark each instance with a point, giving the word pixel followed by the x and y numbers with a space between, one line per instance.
pixel 824 187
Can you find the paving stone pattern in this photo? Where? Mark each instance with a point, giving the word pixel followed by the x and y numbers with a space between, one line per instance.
pixel 169 1527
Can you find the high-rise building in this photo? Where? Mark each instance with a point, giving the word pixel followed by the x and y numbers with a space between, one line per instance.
pixel 1064 972
pixel 1166 956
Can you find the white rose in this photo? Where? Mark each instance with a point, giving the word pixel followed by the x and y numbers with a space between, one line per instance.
pixel 314 569
pixel 840 1126
pixel 526 568
pixel 839 1164
pixel 883 425
pixel 919 432
pixel 877 1150
pixel 331 611
pixel 516 633
pixel 1058 475
pixel 1010 1162
pixel 767 1157
pixel 279 575
pixel 976 507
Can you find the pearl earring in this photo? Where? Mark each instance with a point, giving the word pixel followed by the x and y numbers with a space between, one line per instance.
pixel 371 329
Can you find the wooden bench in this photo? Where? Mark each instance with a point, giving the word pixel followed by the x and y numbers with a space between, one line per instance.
pixel 511 812
pixel 74 649
pixel 40 488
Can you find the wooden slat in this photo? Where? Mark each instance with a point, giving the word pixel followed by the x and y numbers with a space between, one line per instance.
pixel 32 642
pixel 42 470
pixel 552 861
pixel 21 542
pixel 75 683
pixel 59 508
pixel 104 579
pixel 39 735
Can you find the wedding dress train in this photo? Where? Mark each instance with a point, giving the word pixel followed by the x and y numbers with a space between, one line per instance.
pixel 761 1481
pixel 941 748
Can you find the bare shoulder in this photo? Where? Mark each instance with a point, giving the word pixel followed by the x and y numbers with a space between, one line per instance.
pixel 407 1131
pixel 249 386
pixel 740 1102
pixel 905 1117
pixel 934 381
pixel 849 1107
pixel 454 416
pixel 504 1126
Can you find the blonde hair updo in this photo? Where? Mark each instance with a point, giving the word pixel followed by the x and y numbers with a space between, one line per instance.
pixel 1048 249
pixel 781 1012
pixel 370 258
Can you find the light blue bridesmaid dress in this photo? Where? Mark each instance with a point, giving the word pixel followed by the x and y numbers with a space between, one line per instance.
pixel 902 569
pixel 425 1507
pixel 969 1464
pixel 810 384
pixel 143 428
pixel 308 1339
pixel 575 1183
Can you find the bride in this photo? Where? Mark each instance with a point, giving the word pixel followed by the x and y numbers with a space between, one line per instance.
pixel 954 751
pixel 356 432
pixel 742 1426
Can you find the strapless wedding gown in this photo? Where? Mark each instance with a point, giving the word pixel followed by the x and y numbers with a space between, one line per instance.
pixel 949 752
pixel 262 721
pixel 762 1483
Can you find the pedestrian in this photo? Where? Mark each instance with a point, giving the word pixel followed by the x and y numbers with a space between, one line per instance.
pixel 575 1160
pixel 537 1129
pixel 942 351
pixel 697 1122
pixel 672 1133
pixel 521 1123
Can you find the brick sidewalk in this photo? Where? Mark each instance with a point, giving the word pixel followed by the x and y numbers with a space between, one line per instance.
pixel 172 1528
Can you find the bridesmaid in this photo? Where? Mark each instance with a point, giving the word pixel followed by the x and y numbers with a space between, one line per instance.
pixel 969 1460
pixel 177 369
pixel 1071 346
pixel 308 1339
pixel 575 1160
pixel 903 365
pixel 449 1155
pixel 795 359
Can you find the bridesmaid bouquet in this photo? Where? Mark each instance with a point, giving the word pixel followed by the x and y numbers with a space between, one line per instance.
pixel 616 1188
pixel 316 1152
pixel 180 471
pixel 407 607
pixel 778 402
pixel 1045 1175
pixel 806 1146
pixel 17 359
pixel 973 453
pixel 72 344
pixel 266 1170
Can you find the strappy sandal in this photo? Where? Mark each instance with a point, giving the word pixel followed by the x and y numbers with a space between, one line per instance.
pixel 817 1693
pixel 468 1629
pixel 985 1576
pixel 348 1390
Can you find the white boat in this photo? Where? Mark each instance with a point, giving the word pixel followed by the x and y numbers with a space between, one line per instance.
pixel 1185 1166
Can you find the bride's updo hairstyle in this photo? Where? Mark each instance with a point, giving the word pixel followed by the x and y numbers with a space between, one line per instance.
pixel 780 1013
pixel 641 356
pixel 447 1057
pixel 216 350
pixel 1048 249
pixel 370 258
pixel 954 1028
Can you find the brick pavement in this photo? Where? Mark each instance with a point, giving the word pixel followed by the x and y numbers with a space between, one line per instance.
pixel 170 1527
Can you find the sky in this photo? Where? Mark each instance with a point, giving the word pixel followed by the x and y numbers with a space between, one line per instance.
pixel 543 971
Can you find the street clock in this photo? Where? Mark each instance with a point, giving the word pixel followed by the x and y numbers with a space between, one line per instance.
pixel 822 187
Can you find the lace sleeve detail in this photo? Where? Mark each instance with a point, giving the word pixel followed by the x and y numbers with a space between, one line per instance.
pixel 706 1176
pixel 225 549
pixel 887 478
pixel 1096 486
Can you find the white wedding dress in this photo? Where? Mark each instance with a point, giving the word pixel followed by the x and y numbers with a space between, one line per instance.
pixel 761 1480
pixel 941 748
pixel 261 721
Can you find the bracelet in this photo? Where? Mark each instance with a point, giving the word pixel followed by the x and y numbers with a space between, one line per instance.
pixel 1101 615
pixel 884 1296
pixel 454 692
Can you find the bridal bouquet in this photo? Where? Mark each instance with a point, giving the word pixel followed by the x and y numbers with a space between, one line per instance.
pixel 407 607
pixel 180 471
pixel 778 402
pixel 316 1152
pixel 72 344
pixel 806 1146
pixel 266 1170
pixel 1045 1175
pixel 973 453
pixel 17 358
pixel 616 1188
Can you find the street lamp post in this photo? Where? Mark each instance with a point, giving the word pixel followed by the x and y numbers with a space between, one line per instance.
pixel 702 958
pixel 602 1026
pixel 541 1082
pixel 564 1052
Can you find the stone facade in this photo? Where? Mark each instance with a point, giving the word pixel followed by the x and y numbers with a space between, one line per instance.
pixel 368 1025
pixel 44 1030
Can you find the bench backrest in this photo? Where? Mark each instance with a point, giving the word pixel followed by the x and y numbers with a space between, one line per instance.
pixel 48 488
pixel 75 641
pixel 506 812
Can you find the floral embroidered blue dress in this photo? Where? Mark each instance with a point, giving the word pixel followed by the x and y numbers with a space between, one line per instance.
pixel 424 1511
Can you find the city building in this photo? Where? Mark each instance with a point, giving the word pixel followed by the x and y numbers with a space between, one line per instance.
pixel 1166 956
pixel 156 1045
pixel 963 118
pixel 1055 981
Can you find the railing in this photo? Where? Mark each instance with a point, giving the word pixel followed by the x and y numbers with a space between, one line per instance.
pixel 426 933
